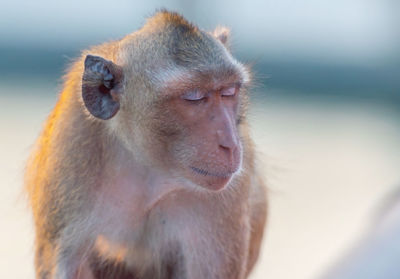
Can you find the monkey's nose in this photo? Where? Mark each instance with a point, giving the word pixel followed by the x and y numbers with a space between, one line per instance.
pixel 226 140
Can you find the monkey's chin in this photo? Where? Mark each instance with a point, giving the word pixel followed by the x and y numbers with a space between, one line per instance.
pixel 211 181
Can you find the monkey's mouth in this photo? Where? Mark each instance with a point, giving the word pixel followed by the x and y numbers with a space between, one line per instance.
pixel 227 174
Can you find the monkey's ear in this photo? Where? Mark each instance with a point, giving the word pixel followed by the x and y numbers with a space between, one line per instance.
pixel 222 34
pixel 101 87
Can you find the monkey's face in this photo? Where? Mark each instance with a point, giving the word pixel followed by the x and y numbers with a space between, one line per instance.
pixel 204 144
pixel 180 107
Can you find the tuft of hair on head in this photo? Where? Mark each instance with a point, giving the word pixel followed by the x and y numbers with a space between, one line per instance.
pixel 164 17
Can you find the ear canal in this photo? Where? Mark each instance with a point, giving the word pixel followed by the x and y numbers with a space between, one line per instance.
pixel 101 87
pixel 222 34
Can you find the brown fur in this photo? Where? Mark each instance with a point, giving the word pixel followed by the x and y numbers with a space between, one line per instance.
pixel 86 213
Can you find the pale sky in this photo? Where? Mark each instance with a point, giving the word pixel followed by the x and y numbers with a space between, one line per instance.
pixel 356 31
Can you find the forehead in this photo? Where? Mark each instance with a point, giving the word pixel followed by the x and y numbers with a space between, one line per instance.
pixel 174 53
pixel 195 58
pixel 193 47
pixel 183 79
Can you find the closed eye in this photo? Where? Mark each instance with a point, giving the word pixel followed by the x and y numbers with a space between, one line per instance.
pixel 229 91
pixel 194 96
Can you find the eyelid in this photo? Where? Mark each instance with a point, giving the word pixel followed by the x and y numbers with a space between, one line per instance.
pixel 229 91
pixel 194 95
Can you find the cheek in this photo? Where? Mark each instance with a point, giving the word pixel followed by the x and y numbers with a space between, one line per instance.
pixel 187 146
pixel 178 143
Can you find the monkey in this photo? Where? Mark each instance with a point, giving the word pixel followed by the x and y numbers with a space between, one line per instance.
pixel 145 167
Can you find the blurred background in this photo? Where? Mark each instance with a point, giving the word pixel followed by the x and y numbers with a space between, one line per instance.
pixel 325 117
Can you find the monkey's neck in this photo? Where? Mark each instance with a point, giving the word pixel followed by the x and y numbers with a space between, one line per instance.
pixel 134 185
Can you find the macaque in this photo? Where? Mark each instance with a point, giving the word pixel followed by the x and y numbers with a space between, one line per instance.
pixel 145 167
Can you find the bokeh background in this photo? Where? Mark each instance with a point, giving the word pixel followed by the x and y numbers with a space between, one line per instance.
pixel 325 113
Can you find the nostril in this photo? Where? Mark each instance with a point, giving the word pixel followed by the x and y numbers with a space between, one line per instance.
pixel 227 148
pixel 228 153
pixel 226 140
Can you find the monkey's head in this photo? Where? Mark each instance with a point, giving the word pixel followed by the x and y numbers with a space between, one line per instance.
pixel 175 96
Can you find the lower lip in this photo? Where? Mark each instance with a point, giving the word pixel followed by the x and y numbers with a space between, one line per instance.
pixel 209 174
pixel 214 182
